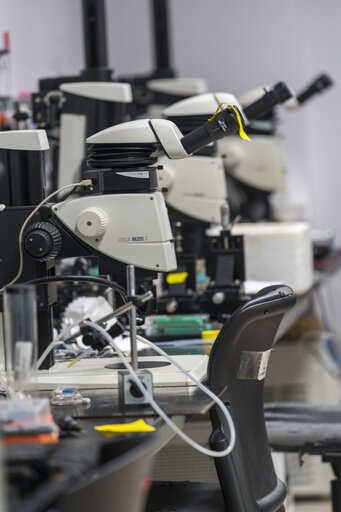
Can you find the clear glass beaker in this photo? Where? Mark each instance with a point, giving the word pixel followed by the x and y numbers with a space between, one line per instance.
pixel 21 339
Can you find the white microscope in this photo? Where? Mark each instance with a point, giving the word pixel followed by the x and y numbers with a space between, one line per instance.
pixel 255 171
pixel 193 191
pixel 121 219
pixel 197 196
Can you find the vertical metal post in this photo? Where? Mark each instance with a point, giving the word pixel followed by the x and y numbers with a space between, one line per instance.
pixel 225 221
pixel 95 40
pixel 132 317
pixel 162 57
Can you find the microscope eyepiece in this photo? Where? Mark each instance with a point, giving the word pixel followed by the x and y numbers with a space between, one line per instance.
pixel 318 85
pixel 222 124
pixel 278 94
pixel 281 92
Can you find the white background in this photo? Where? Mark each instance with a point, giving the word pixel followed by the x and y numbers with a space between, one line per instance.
pixel 236 45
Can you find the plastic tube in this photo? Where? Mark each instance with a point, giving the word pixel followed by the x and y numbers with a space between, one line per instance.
pixel 157 408
pixel 53 343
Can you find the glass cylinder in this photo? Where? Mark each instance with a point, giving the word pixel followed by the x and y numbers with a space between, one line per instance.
pixel 21 339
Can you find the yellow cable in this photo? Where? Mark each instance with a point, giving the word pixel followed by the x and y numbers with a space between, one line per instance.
pixel 242 133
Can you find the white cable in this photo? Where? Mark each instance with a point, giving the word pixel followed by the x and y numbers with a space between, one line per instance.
pixel 21 259
pixel 159 411
pixel 53 343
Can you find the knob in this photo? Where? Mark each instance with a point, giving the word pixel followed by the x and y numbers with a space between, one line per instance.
pixel 218 298
pixel 92 222
pixel 172 306
pixel 42 241
pixel 135 390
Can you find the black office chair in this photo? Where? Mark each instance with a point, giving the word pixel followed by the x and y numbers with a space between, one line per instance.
pixel 238 363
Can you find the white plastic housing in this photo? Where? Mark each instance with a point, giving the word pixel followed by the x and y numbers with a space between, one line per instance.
pixel 73 126
pixel 252 95
pixel 178 86
pixel 169 136
pixel 196 186
pixel 71 149
pixel 259 163
pixel 25 140
pixel 130 132
pixel 144 131
pixel 106 91
pixel 137 231
pixel 204 104
pixel 292 103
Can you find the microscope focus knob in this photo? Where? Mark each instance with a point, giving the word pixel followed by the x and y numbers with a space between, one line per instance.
pixel 92 222
pixel 42 241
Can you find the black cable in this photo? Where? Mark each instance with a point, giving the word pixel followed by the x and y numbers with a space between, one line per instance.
pixel 91 279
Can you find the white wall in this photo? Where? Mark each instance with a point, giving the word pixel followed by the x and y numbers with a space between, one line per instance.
pixel 322 50
pixel 235 45
pixel 46 39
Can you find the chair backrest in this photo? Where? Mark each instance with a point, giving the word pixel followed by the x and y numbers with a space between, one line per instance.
pixel 238 361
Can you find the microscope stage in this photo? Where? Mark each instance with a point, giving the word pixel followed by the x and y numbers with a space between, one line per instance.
pixel 94 373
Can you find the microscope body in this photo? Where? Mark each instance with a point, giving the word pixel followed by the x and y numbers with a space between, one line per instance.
pixel 259 165
pixel 130 228
pixel 196 187
pixel 196 194
pixel 253 173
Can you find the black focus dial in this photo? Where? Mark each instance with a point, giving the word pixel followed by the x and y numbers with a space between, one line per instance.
pixel 42 241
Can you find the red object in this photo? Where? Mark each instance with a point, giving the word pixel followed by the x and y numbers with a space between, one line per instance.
pixel 146 484
pixel 52 437
pixel 6 41
pixel 38 438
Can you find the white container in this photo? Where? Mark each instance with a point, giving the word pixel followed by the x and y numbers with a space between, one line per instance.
pixel 280 252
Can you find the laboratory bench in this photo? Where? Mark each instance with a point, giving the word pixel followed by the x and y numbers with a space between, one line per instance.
pixel 87 451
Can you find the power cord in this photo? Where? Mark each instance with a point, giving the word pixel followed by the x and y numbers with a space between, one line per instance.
pixel 149 398
pixel 157 408
pixel 83 183
pixel 54 342
pixel 91 279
